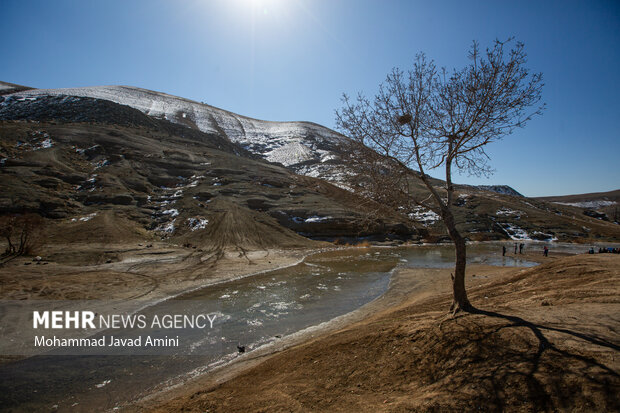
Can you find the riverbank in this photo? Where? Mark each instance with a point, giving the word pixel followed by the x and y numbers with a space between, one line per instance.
pixel 139 276
pixel 132 271
pixel 545 339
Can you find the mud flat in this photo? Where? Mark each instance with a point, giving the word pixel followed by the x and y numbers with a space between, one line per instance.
pixel 131 271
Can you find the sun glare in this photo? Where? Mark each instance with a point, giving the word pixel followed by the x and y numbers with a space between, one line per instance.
pixel 262 6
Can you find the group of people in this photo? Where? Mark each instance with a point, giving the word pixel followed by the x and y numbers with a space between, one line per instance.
pixel 601 250
pixel 519 248
pixel 605 250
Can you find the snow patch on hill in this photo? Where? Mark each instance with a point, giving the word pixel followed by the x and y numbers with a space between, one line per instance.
pixel 290 154
pixel 424 216
pixel 589 204
pixel 513 231
pixel 507 212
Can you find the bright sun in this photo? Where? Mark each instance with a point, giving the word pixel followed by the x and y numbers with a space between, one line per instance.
pixel 264 5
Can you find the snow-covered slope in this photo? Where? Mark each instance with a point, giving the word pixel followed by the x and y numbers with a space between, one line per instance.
pixel 303 146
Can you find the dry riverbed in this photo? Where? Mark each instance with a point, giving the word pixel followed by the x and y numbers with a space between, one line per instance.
pixel 545 339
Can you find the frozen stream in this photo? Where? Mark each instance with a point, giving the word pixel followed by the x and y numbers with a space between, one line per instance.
pixel 250 312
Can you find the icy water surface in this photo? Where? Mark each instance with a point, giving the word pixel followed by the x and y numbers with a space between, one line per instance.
pixel 250 312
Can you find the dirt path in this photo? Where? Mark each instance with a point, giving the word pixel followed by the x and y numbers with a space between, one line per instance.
pixel 544 339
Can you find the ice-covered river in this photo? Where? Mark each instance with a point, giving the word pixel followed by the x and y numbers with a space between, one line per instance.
pixel 249 312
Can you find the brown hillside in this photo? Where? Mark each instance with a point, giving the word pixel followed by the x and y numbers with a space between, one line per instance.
pixel 6 88
pixel 593 196
pixel 234 227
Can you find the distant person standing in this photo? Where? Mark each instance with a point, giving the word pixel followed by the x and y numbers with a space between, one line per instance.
pixel 545 251
pixel 515 247
pixel 521 248
pixel 503 250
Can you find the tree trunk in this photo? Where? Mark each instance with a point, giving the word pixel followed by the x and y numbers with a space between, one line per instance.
pixel 10 248
pixel 23 239
pixel 460 302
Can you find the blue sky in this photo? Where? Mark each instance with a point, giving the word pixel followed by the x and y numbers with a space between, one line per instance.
pixel 293 59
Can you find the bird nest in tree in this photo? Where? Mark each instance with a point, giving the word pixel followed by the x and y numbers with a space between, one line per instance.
pixel 404 119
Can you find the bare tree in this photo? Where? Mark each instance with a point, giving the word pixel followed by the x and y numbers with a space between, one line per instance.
pixel 21 232
pixel 427 118
pixel 7 228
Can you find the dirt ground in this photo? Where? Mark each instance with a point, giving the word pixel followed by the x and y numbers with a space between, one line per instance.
pixel 144 271
pixel 543 339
